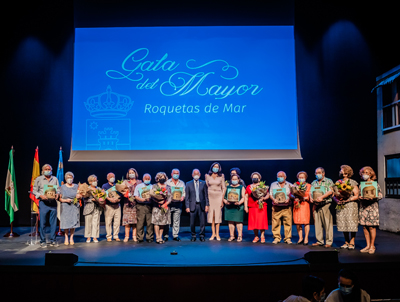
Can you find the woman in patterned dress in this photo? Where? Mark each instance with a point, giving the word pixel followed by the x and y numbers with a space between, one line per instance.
pixel 369 212
pixel 347 211
pixel 129 219
pixel 160 218
pixel 70 212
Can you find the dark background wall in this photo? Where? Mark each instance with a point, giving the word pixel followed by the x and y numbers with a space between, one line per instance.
pixel 340 49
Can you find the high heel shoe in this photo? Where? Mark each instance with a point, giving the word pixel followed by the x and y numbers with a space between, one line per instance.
pixel 212 238
pixel 300 242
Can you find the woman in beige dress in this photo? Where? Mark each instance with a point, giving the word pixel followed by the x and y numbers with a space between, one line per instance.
pixel 215 181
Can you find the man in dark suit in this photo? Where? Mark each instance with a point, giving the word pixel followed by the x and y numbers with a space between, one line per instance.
pixel 196 202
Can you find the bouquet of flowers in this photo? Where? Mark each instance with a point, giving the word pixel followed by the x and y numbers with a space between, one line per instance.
pixel 258 192
pixel 99 196
pixel 160 195
pixel 122 188
pixel 299 191
pixel 226 183
pixel 83 189
pixel 342 190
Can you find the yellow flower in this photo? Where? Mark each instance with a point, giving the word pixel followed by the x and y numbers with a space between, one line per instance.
pixel 343 186
pixel 337 183
pixel 348 187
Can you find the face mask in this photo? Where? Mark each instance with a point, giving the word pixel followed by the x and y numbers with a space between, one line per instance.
pixel 196 177
pixel 94 184
pixel 132 175
pixel 215 170
pixel 319 176
pixel 281 179
pixel 302 180
pixel 47 173
pixel 175 176
pixel 235 182
pixel 112 179
pixel 365 176
pixel 255 180
pixel 162 180
pixel 340 174
pixel 146 182
pixel 345 290
pixel 69 181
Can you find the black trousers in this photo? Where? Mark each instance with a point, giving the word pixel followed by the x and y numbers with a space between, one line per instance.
pixel 202 217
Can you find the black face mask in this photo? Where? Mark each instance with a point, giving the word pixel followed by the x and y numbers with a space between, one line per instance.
pixel 255 180
pixel 340 174
pixel 162 180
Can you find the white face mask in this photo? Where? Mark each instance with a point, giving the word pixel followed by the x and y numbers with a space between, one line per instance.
pixel 365 176
pixel 132 175
pixel 94 183
pixel 196 177
pixel 69 181
pixel 112 179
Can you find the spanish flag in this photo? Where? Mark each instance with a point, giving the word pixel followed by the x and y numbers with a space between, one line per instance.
pixel 35 173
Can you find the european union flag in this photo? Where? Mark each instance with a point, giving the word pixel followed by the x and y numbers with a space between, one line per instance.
pixel 60 168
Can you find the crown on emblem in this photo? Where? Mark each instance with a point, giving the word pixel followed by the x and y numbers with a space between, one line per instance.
pixel 108 104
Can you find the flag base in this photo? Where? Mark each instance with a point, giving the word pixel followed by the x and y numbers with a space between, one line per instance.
pixel 11 234
pixel 35 234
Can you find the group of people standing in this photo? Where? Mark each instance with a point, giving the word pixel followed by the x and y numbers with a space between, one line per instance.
pixel 210 200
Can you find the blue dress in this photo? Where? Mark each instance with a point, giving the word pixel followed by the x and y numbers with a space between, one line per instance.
pixel 69 216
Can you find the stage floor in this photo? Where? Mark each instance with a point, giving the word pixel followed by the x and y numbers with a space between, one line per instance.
pixel 15 251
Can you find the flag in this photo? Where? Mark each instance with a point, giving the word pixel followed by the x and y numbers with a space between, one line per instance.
pixel 60 169
pixel 11 190
pixel 60 177
pixel 35 173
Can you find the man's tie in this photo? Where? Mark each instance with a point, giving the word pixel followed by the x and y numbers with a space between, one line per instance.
pixel 196 186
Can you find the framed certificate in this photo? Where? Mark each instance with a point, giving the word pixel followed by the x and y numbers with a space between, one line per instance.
pixel 177 193
pixel 144 192
pixel 50 191
pixel 233 194
pixel 279 195
pixel 369 189
pixel 317 191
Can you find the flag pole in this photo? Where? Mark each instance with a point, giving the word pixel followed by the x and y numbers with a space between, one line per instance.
pixel 11 234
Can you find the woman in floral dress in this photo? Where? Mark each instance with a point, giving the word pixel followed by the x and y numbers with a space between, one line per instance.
pixel 369 212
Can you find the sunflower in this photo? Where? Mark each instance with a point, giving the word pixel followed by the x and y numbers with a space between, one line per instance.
pixel 348 187
pixel 343 186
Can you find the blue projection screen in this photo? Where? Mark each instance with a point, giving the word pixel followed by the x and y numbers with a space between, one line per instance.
pixel 184 93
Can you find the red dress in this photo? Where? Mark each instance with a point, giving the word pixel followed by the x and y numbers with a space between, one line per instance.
pixel 302 215
pixel 258 218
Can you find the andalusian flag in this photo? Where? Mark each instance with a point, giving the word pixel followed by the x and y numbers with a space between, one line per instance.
pixel 35 173
pixel 11 189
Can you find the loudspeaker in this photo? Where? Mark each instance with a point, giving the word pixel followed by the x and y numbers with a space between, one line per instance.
pixel 322 257
pixel 60 259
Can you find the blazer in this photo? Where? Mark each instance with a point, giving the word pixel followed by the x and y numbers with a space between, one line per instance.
pixel 190 198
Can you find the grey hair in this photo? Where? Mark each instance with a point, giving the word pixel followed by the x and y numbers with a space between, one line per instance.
pixel 69 173
pixel 47 165
pixel 146 174
pixel 159 175
pixel 175 169
pixel 322 169
pixel 196 170
pixel 281 172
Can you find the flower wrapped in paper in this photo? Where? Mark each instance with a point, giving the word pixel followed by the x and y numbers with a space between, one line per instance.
pixel 160 195
pixel 82 192
pixel 122 188
pixel 99 196
pixel 258 192
pixel 113 193
pixel 299 191
pixel 342 190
